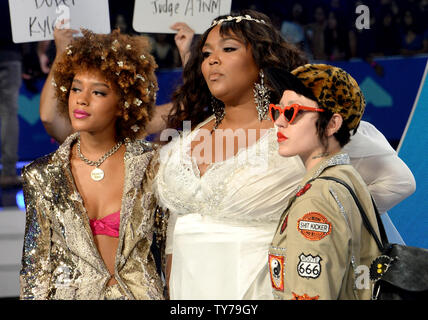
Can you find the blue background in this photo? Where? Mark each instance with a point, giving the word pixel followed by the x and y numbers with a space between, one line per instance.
pixel 410 216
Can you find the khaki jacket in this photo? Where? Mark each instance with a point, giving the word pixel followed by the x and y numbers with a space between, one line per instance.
pixel 321 249
pixel 60 259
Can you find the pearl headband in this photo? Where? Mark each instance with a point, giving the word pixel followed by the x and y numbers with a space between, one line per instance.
pixel 237 18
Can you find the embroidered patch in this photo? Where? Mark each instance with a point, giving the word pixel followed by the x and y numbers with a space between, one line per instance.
pixel 309 266
pixel 302 191
pixel 284 224
pixel 303 297
pixel 314 226
pixel 276 270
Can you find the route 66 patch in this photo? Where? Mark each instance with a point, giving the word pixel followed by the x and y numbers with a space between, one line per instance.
pixel 309 266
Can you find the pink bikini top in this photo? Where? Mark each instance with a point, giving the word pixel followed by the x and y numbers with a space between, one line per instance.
pixel 109 225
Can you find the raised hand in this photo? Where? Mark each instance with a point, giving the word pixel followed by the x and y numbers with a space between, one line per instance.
pixel 183 40
pixel 63 36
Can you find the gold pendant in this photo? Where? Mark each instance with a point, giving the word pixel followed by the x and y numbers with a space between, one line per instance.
pixel 97 174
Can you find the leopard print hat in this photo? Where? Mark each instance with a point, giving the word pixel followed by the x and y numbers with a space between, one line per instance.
pixel 335 90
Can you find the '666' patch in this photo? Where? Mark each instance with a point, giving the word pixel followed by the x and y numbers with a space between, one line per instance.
pixel 314 226
pixel 309 266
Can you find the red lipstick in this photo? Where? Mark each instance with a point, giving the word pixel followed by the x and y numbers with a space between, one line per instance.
pixel 281 137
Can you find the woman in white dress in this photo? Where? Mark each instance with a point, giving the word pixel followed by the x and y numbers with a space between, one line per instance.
pixel 225 195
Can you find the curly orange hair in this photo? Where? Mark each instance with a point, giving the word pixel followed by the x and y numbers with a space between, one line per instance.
pixel 124 61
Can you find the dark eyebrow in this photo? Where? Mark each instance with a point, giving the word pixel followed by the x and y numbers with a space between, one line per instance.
pixel 93 83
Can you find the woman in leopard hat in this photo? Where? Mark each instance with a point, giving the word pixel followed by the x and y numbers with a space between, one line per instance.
pixel 321 249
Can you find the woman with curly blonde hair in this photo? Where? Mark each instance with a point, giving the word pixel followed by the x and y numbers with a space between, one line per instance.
pixel 90 222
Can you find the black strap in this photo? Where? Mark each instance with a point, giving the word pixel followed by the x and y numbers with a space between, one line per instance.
pixel 383 242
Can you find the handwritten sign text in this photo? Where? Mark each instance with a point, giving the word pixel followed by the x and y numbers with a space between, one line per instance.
pixel 158 15
pixel 35 20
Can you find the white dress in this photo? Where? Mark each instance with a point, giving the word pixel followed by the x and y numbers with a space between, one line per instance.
pixel 222 223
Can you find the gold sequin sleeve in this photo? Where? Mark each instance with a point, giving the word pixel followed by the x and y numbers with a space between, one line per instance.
pixel 35 267
pixel 160 215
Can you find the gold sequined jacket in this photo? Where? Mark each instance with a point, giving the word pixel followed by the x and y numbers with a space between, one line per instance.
pixel 60 259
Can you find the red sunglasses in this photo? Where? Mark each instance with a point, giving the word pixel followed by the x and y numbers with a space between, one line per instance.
pixel 289 112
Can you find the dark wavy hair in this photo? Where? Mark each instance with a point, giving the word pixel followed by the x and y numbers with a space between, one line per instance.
pixel 191 101
pixel 124 61
pixel 281 80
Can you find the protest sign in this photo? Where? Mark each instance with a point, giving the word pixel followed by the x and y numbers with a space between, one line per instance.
pixel 34 20
pixel 156 16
